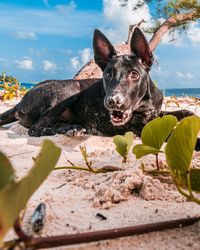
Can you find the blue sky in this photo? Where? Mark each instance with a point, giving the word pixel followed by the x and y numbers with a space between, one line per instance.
pixel 52 39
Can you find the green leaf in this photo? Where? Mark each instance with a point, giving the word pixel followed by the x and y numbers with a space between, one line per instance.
pixel 7 174
pixel 121 145
pixel 14 197
pixel 83 152
pixel 155 132
pixel 194 179
pixel 181 144
pixel 129 140
pixel 141 150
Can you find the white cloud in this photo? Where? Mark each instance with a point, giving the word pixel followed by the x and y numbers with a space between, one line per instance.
pixel 24 35
pixel 121 17
pixel 65 51
pixel 47 65
pixel 38 52
pixel 118 15
pixel 84 57
pixel 190 76
pixel 25 63
pixel 183 75
pixel 46 2
pixel 66 9
pixel 179 74
pixel 75 63
pixel 193 32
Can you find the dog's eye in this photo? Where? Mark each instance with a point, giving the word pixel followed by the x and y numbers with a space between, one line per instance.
pixel 108 75
pixel 134 75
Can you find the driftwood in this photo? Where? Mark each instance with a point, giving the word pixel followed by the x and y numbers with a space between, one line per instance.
pixel 31 242
pixel 91 70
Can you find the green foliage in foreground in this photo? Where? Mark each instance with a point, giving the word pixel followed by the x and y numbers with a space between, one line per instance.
pixel 181 144
pixel 154 134
pixel 178 151
pixel 123 144
pixel 14 195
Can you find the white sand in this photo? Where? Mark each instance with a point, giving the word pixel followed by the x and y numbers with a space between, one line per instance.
pixel 126 197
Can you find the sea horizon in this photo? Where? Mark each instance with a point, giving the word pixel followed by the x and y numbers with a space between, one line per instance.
pixel 182 92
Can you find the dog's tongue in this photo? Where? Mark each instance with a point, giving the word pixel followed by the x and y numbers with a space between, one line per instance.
pixel 116 115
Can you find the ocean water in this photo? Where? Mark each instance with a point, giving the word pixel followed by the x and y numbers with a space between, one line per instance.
pixel 28 85
pixel 194 92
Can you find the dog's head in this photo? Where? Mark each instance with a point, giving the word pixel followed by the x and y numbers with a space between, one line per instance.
pixel 125 77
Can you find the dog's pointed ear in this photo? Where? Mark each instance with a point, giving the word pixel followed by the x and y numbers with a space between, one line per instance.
pixel 103 49
pixel 140 47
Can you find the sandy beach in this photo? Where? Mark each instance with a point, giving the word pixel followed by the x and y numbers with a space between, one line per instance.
pixel 126 197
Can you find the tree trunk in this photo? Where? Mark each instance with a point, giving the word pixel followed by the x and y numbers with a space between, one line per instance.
pixel 169 23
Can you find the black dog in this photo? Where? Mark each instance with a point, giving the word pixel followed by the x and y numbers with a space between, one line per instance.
pixel 124 100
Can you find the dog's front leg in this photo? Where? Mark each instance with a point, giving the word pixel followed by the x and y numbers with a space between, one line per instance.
pixel 46 125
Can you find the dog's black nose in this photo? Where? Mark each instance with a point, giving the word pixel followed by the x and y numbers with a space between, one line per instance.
pixel 114 101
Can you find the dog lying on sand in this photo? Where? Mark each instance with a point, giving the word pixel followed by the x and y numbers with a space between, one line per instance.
pixel 125 99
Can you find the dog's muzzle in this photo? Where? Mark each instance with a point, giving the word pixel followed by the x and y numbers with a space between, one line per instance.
pixel 118 116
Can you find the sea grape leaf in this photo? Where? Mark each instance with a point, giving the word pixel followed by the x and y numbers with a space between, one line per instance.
pixel 155 132
pixel 181 144
pixel 129 139
pixel 141 150
pixel 121 145
pixel 14 196
pixel 194 179
pixel 7 173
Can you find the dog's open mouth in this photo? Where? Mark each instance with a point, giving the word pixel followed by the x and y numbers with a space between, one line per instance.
pixel 119 117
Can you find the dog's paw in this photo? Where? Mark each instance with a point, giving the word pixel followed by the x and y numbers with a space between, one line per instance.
pixel 41 132
pixel 75 132
pixel 68 130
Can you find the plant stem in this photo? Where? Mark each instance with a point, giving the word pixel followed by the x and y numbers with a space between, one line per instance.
pixel 158 172
pixel 53 241
pixel 84 154
pixel 85 169
pixel 11 244
pixel 189 197
pixel 178 185
pixel 19 231
pixel 189 183
pixel 157 164
pixel 124 159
